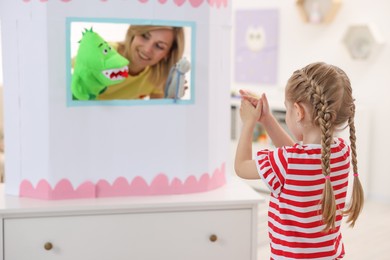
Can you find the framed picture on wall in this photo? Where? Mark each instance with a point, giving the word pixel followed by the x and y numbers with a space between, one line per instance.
pixel 256 46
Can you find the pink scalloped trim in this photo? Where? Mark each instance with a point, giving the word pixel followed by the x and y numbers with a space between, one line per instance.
pixel 121 187
pixel 62 190
pixel 179 3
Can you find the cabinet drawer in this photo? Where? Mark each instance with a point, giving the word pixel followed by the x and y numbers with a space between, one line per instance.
pixel 140 236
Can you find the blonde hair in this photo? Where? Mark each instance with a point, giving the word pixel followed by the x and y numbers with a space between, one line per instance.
pixel 327 90
pixel 159 71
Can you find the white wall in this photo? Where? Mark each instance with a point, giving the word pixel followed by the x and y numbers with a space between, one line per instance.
pixel 302 43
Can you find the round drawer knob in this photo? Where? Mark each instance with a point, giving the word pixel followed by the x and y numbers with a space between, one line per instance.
pixel 213 238
pixel 48 246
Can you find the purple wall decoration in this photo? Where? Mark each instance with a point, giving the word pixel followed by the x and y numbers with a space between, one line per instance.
pixel 256 46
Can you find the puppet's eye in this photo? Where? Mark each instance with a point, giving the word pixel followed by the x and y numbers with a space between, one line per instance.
pixel 105 51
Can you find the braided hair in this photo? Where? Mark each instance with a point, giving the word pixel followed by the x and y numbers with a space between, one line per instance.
pixel 326 89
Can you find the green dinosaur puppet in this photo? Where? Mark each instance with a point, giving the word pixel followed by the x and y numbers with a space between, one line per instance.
pixel 97 66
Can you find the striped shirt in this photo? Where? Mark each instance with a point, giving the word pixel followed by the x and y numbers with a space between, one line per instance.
pixel 295 179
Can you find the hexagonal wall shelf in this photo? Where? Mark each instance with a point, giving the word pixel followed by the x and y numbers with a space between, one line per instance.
pixel 362 41
pixel 318 11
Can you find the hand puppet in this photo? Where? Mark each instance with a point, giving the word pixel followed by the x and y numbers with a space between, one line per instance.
pixel 174 87
pixel 97 66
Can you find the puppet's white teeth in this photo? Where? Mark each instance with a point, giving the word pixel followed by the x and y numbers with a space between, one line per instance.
pixel 115 74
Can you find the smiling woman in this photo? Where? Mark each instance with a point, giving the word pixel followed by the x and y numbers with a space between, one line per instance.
pixel 152 52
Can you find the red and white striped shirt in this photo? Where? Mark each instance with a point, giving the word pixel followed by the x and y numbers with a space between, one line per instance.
pixel 295 179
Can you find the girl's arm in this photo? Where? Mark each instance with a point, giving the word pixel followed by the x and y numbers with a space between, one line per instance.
pixel 244 166
pixel 275 131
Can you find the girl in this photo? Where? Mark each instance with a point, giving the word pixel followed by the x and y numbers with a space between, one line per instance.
pixel 308 180
pixel 152 51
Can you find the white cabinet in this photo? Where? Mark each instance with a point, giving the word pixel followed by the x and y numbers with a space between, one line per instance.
pixel 169 235
pixel 219 224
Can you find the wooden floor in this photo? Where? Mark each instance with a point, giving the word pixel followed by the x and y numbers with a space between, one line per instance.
pixel 368 240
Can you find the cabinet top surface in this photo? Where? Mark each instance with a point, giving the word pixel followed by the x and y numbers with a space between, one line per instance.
pixel 234 194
